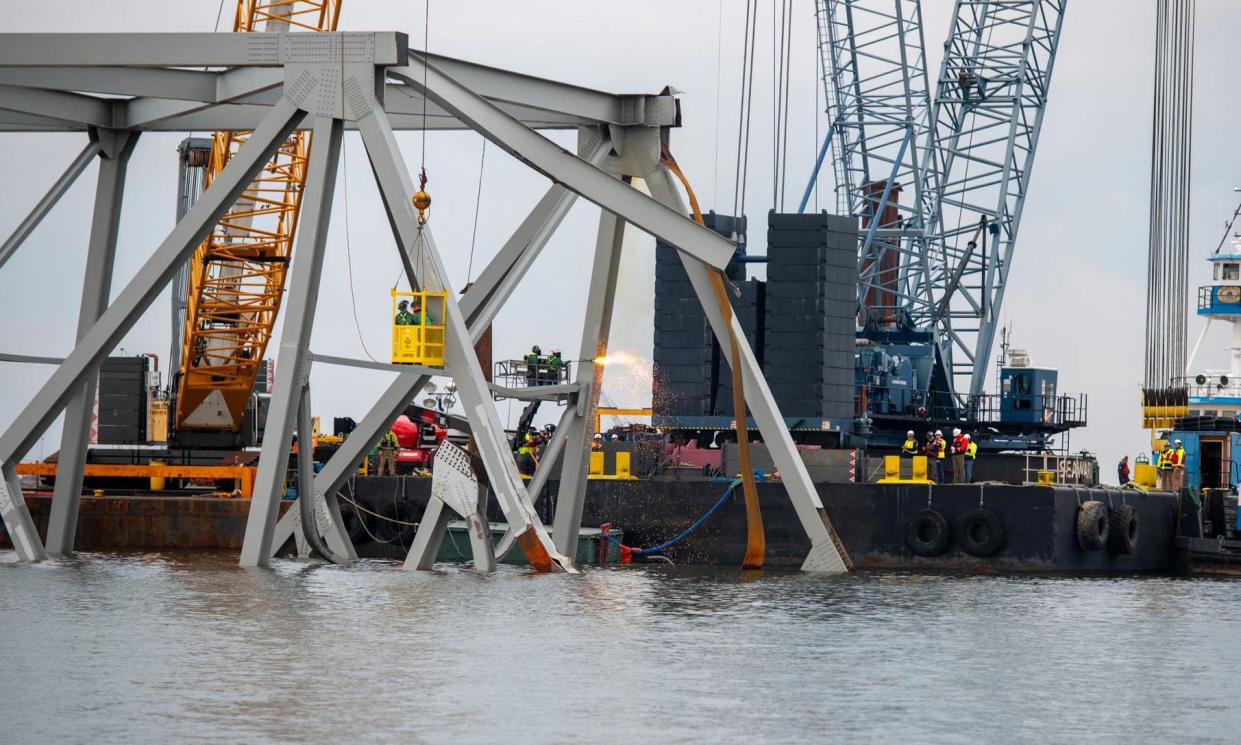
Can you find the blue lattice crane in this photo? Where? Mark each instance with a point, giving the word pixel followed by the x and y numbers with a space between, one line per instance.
pixel 938 180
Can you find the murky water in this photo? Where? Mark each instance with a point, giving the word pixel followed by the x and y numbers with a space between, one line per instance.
pixel 190 648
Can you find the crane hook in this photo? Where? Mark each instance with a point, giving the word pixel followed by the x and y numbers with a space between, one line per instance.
pixel 422 200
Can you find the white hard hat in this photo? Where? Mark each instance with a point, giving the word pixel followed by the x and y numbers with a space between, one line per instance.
pixel 615 437
pixel 966 436
pixel 598 436
pixel 956 432
pixel 1178 442
pixel 555 350
pixel 910 433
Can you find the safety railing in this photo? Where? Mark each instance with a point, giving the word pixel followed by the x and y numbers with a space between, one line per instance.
pixel 1212 384
pixel 1225 299
pixel 1060 411
pixel 522 374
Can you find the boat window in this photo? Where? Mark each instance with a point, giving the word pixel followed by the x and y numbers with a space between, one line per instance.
pixel 1232 271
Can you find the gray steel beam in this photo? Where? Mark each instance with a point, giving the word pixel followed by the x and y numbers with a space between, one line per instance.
pixel 67 107
pixel 396 188
pixel 600 299
pixel 551 160
pixel 30 359
pixel 327 523
pixel 294 364
pixel 824 555
pixel 187 85
pixel 17 521
pixel 147 283
pixel 96 287
pixel 49 200
pixel 186 49
pixel 328 359
pixel 538 94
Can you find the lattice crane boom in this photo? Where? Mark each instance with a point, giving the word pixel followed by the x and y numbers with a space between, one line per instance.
pixel 237 275
pixel 966 153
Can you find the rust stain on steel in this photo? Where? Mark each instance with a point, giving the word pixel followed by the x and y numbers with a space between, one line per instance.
pixel 534 551
pixel 150 522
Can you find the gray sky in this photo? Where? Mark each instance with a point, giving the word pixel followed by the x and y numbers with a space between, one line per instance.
pixel 1076 293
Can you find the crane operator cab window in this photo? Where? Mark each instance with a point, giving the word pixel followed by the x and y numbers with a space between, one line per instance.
pixel 1228 270
pixel 418 327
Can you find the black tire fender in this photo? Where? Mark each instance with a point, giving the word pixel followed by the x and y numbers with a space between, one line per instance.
pixel 927 533
pixel 354 523
pixel 396 522
pixel 980 532
pixel 1092 525
pixel 1123 529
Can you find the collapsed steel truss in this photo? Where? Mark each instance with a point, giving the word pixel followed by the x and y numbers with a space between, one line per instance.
pixel 117 85
pixel 966 154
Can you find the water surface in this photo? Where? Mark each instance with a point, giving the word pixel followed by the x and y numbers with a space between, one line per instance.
pixel 189 648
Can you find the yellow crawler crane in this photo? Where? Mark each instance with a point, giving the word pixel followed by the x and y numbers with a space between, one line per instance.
pixel 237 275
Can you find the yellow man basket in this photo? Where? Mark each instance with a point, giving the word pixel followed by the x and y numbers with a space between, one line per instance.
pixel 418 327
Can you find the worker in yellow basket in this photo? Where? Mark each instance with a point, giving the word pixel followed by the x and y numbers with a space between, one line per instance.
pixel 387 453
pixel 971 453
pixel 403 316
pixel 1178 467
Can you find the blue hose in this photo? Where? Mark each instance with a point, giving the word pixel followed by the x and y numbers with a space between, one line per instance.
pixel 701 519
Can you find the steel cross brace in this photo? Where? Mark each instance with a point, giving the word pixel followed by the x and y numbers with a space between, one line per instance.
pixel 124 312
pixel 49 200
pixel 571 498
pixel 294 341
pixel 116 147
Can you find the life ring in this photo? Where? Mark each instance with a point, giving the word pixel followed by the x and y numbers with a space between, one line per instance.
pixel 980 532
pixel 1092 525
pixel 1123 529
pixel 927 533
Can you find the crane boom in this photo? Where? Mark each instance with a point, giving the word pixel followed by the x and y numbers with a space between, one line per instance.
pixel 237 275
pixel 965 153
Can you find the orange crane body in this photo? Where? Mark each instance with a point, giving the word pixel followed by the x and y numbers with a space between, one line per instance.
pixel 237 274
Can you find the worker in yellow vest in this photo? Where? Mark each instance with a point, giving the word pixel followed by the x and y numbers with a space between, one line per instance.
pixel 971 453
pixel 1177 462
pixel 909 448
pixel 1163 468
pixel 526 462
pixel 940 447
pixel 388 447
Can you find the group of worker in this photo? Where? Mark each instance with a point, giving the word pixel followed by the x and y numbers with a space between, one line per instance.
pixel 542 370
pixel 1170 467
pixel 961 451
pixel 409 315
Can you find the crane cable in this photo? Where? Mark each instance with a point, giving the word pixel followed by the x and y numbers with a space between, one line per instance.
pixel 743 113
pixel 756 541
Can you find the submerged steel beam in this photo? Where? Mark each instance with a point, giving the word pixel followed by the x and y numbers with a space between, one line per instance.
pixel 600 298
pixel 294 340
pixel 96 286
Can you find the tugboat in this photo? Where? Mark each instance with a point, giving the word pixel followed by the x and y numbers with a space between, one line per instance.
pixel 1208 539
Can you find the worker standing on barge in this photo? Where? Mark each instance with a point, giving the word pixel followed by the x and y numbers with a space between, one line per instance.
pixel 971 454
pixel 1177 462
pixel 387 454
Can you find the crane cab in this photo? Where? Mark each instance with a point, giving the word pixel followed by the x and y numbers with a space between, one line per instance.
pixel 418 327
